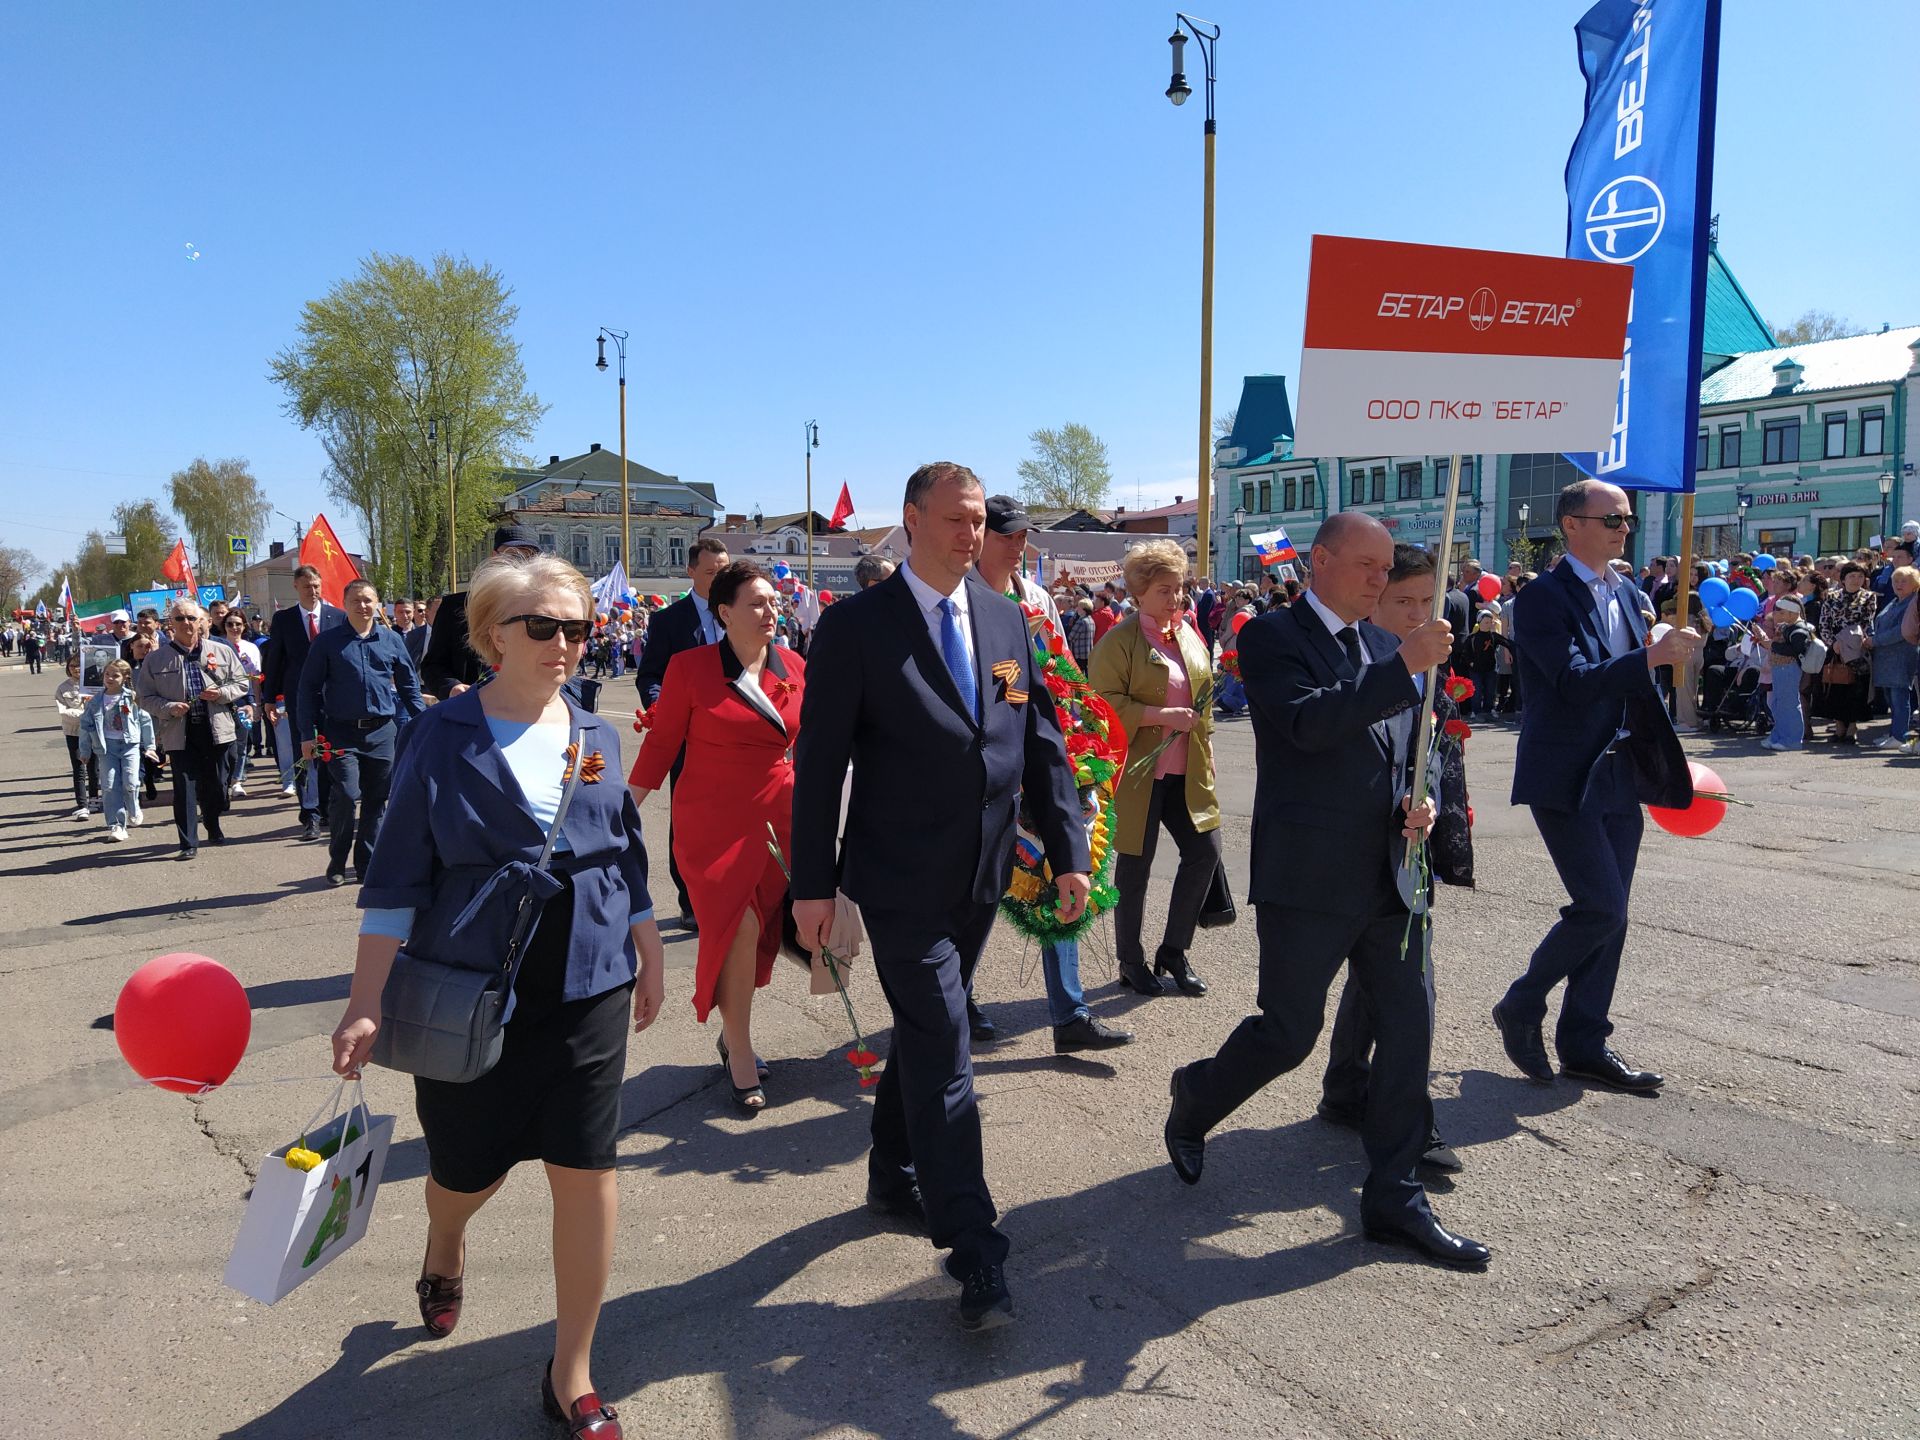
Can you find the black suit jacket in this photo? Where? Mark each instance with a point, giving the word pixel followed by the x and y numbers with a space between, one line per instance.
pixel 1580 697
pixel 931 822
pixel 674 628
pixel 1326 812
pixel 417 640
pixel 449 660
pixel 285 656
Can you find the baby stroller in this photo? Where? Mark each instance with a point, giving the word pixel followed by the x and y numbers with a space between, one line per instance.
pixel 1731 698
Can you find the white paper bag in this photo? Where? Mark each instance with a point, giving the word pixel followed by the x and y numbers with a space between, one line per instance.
pixel 297 1221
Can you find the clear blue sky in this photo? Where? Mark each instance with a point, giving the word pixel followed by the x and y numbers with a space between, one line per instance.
pixel 933 227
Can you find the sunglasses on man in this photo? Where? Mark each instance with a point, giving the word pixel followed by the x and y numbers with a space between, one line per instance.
pixel 542 627
pixel 1612 522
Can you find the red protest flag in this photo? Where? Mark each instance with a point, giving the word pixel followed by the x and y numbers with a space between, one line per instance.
pixel 177 568
pixel 322 549
pixel 842 508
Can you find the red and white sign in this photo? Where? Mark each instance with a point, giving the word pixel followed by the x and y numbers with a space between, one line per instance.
pixel 1424 349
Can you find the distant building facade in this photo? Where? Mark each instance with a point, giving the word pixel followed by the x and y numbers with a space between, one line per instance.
pixel 573 506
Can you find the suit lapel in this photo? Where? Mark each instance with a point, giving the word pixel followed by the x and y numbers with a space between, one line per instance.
pixel 933 667
pixel 1320 640
pixel 979 596
pixel 734 673
pixel 1588 610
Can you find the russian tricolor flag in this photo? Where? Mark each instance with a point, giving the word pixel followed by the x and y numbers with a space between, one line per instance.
pixel 1274 548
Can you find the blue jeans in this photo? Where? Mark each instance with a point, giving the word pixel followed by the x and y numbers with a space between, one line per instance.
pixel 1789 725
pixel 1899 708
pixel 119 785
pixel 1060 967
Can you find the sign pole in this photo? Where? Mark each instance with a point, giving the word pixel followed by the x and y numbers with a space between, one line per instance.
pixel 1423 741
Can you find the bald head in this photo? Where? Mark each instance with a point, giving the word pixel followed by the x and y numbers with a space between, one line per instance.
pixel 1352 557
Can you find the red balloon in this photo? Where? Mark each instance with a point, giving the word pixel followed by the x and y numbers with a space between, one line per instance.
pixel 1703 814
pixel 185 1017
pixel 826 597
pixel 1488 586
pixel 1239 622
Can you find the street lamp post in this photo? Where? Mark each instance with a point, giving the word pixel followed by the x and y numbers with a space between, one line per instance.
pixel 810 435
pixel 1239 519
pixel 1207 35
pixel 1886 516
pixel 1741 500
pixel 619 338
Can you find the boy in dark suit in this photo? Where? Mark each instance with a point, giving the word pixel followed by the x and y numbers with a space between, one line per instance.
pixel 926 684
pixel 1328 815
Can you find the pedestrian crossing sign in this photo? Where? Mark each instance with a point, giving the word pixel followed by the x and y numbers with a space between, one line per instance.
pixel 240 545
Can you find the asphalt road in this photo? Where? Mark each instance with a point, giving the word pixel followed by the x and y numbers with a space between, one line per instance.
pixel 1733 1258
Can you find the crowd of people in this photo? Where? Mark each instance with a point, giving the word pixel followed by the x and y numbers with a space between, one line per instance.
pixel 454 753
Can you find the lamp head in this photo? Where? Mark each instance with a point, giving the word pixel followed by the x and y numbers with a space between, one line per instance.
pixel 1177 88
pixel 601 363
pixel 1886 483
pixel 813 430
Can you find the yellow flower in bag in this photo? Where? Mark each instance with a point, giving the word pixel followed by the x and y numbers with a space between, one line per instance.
pixel 301 1158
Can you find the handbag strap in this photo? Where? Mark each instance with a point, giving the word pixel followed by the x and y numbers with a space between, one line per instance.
pixel 524 916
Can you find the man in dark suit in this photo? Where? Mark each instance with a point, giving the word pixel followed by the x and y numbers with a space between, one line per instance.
pixel 290 636
pixel 925 683
pixel 1462 609
pixel 1595 741
pixel 1329 815
pixel 449 666
pixel 686 624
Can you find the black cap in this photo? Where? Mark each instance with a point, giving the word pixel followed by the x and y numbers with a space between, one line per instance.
pixel 1005 517
pixel 519 535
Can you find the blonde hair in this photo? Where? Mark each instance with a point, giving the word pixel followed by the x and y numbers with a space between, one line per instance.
pixel 1908 573
pixel 117 667
pixel 503 583
pixel 1146 563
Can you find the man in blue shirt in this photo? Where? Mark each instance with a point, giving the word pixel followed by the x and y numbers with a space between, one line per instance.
pixel 360 686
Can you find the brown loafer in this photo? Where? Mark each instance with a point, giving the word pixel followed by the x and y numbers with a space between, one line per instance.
pixel 440 1299
pixel 587 1416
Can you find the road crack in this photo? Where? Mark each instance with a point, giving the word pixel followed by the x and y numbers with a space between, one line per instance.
pixel 222 1146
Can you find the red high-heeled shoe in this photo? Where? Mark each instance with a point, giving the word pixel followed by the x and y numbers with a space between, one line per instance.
pixel 587 1416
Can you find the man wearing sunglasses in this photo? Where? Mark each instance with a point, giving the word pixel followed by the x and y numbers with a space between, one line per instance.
pixel 360 684
pixel 1595 742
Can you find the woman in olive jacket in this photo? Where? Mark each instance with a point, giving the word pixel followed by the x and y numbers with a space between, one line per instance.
pixel 1156 672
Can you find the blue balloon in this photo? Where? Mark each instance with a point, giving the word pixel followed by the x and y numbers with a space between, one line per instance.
pixel 1714 592
pixel 1743 604
pixel 1721 617
pixel 1764 562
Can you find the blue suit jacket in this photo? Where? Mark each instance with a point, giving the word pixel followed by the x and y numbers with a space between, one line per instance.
pixel 286 656
pixel 1579 697
pixel 459 843
pixel 674 628
pixel 935 791
pixel 1326 807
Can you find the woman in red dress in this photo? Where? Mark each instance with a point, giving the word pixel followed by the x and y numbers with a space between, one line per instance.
pixel 735 708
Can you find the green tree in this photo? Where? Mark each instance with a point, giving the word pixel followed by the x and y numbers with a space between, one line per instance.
pixel 214 500
pixel 17 568
pixel 96 575
pixel 1814 325
pixel 401 350
pixel 1068 469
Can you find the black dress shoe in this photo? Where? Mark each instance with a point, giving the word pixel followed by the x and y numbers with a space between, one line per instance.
pixel 979 1026
pixel 336 877
pixel 1434 1241
pixel 1176 968
pixel 1440 1156
pixel 898 1202
pixel 1347 1117
pixel 310 830
pixel 1525 1048
pixel 985 1303
pixel 1186 1141
pixel 1139 979
pixel 1084 1032
pixel 187 852
pixel 215 835
pixel 1610 1070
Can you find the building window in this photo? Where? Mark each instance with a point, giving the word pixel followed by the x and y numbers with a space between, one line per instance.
pixel 1306 492
pixel 612 549
pixel 1700 449
pixel 1246 495
pixel 1729 447
pixel 677 552
pixel 1536 482
pixel 1715 542
pixel 1440 472
pixel 1776 542
pixel 1835 446
pixel 1844 536
pixel 1289 492
pixel 1359 488
pixel 582 550
pixel 1873 432
pixel 547 542
pixel 1378 488
pixel 609 504
pixel 1266 493
pixel 1780 443
pixel 1409 488
pixel 643 552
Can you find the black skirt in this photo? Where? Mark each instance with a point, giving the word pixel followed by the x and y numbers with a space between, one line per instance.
pixel 554 1096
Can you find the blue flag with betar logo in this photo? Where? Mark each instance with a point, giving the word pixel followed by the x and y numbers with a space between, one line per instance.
pixel 1639 192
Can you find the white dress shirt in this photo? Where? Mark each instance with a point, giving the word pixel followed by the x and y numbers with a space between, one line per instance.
pixel 1335 625
pixel 709 627
pixel 928 599
pixel 1616 618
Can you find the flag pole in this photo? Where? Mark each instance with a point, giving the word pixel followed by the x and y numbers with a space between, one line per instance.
pixel 1424 738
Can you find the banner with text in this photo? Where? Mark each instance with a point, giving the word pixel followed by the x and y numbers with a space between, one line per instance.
pixel 1430 350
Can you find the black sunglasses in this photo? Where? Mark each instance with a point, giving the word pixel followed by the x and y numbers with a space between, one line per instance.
pixel 1612 522
pixel 541 627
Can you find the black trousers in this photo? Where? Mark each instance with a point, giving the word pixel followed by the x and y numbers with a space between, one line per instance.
pixel 362 778
pixel 673 865
pixel 925 1116
pixel 199 796
pixel 1350 1046
pixel 86 776
pixel 1199 855
pixel 1300 953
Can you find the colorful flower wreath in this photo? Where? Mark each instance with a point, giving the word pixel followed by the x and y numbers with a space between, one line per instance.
pixel 1097 748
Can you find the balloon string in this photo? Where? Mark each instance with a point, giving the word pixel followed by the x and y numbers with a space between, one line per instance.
pixel 207 1087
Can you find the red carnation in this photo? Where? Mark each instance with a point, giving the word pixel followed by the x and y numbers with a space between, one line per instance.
pixel 1459 688
pixel 1457 730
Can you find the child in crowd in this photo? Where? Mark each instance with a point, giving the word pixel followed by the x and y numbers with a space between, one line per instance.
pixel 116 732
pixel 1791 637
pixel 70 698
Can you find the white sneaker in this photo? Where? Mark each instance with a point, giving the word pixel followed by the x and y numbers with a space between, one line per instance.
pixel 1889 743
pixel 1773 745
pixel 116 833
pixel 80 813
pixel 286 792
pixel 135 817
pixel 239 792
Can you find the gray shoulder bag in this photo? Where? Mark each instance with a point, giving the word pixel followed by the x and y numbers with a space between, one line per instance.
pixel 447 1022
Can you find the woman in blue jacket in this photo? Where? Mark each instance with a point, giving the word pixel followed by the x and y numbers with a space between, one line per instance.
pixel 475 791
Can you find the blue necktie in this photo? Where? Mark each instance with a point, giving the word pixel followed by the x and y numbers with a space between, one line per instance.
pixel 953 650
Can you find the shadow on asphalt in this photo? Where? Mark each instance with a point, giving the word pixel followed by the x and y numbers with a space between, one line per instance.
pixel 211 902
pixel 802 1367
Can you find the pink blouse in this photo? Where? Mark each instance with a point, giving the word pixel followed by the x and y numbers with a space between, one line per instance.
pixel 1173 760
